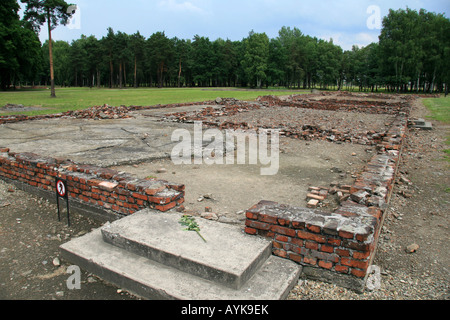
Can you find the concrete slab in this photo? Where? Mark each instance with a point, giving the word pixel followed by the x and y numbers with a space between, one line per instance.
pixel 152 280
pixel 102 143
pixel 228 256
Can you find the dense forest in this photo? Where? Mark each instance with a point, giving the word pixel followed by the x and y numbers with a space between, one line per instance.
pixel 413 54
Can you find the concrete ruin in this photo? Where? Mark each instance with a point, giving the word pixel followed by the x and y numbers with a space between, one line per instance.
pixel 331 242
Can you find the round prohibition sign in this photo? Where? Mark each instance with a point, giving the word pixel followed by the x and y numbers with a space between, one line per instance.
pixel 61 188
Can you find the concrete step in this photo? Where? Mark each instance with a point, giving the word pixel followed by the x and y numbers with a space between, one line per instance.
pixel 420 124
pixel 228 256
pixel 260 277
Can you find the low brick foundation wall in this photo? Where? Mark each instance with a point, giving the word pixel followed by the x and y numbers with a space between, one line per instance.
pixel 101 188
pixel 338 247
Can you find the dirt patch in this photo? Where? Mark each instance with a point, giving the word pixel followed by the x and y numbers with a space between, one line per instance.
pixel 30 236
pixel 232 189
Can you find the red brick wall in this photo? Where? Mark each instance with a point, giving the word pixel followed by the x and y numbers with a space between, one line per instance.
pixel 343 241
pixel 100 187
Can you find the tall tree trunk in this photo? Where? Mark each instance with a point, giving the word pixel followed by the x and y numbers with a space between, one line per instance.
pixel 50 49
pixel 161 71
pixel 111 72
pixel 432 81
pixel 179 75
pixel 124 74
pixel 135 72
pixel 120 74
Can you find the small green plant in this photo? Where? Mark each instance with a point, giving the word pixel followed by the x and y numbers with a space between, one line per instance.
pixel 190 224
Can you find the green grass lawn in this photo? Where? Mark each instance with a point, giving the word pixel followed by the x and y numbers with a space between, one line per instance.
pixel 82 98
pixel 440 111
pixel 439 107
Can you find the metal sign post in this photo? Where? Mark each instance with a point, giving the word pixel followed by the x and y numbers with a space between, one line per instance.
pixel 62 192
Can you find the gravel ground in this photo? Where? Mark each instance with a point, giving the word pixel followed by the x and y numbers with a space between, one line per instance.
pixel 355 124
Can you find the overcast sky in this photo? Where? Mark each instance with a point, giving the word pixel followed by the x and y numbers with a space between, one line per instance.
pixel 348 22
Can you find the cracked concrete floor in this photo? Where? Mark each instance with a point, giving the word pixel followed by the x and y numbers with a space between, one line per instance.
pixel 98 142
pixel 142 144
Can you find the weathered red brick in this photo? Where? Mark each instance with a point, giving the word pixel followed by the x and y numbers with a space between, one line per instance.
pixel 166 207
pixel 311 245
pixel 354 263
pixel 280 253
pixel 358 273
pixel 140 196
pixel 257 225
pixel 251 215
pixel 283 230
pixel 267 218
pixel 346 234
pixel 325 264
pixel 295 257
pixel 297 242
pixel 341 269
pixel 281 238
pixel 310 236
pixel 298 225
pixel 326 248
pixel 310 260
pixel 361 255
pixel 313 228
pixel 342 252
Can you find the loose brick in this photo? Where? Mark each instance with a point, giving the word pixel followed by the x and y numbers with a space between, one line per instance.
pixel 107 186
pixel 315 197
pixel 154 190
pixel 313 203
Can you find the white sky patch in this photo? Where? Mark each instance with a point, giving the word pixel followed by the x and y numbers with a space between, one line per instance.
pixel 345 21
pixel 347 40
pixel 181 6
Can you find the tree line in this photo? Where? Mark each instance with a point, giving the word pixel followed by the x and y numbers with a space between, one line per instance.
pixel 413 54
